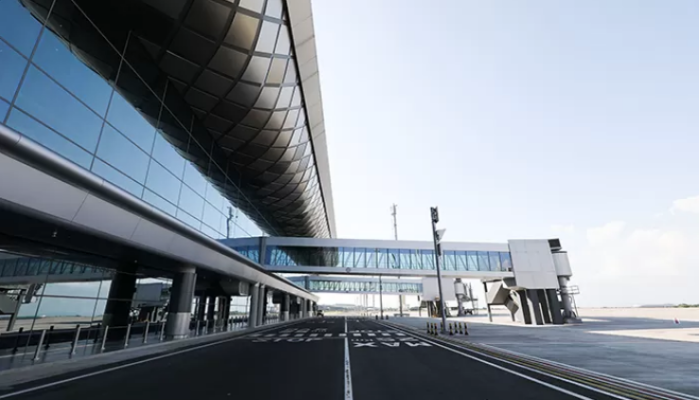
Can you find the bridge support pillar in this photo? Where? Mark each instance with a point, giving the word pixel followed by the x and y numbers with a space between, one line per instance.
pixel 201 308
pixel 544 308
pixel 262 304
pixel 533 303
pixel 254 306
pixel 284 308
pixel 118 307
pixel 554 306
pixel 178 324
pixel 211 312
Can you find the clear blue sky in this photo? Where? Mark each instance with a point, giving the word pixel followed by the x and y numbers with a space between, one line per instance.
pixel 519 119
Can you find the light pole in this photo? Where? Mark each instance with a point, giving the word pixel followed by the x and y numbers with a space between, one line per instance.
pixel 437 236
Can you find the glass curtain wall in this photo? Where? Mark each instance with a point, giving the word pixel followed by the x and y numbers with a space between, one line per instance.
pixel 120 123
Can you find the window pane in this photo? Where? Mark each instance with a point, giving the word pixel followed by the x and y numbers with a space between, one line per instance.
pixel 212 216
pixel 194 179
pixel 117 178
pixel 17 26
pixel 56 60
pixel 191 202
pixel 371 258
pixel 12 68
pixel 428 259
pixel 3 109
pixel 495 261
pixel 158 202
pixel 382 258
pixel 214 197
pixel 122 154
pixel 449 261
pixel 359 258
pixel 166 154
pixel 506 263
pixel 46 137
pixel 483 258
pixel 163 183
pixel 393 259
pixel 130 122
pixel 472 262
pixel 462 263
pixel 188 219
pixel 52 105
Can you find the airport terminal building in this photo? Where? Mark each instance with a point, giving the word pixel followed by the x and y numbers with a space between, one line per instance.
pixel 143 145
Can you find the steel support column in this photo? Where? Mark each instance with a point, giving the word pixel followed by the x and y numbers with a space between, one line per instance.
pixel 178 324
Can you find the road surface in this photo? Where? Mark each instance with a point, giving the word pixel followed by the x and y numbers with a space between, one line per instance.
pixel 324 358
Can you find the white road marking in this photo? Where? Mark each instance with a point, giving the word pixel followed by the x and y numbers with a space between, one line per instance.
pixel 576 395
pixel 313 335
pixel 328 335
pixel 123 366
pixel 348 374
pixel 357 334
pixel 342 335
pixel 386 334
pixel 371 334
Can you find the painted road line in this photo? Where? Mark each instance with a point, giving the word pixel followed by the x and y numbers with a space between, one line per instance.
pixel 123 366
pixel 328 335
pixel 342 335
pixel 313 335
pixel 348 373
pixel 529 378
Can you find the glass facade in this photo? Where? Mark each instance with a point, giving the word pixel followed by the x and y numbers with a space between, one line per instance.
pixel 360 257
pixel 363 286
pixel 103 121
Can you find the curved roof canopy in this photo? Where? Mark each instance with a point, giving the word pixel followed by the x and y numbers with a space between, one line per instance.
pixel 240 80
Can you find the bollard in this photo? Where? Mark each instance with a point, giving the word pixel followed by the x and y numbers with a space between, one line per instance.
pixel 466 333
pixel 128 335
pixel 74 346
pixel 19 334
pixel 196 328
pixel 145 332
pixel 461 330
pixel 427 327
pixel 37 352
pixel 162 331
pixel 208 325
pixel 104 339
pixel 451 329
pixel 48 336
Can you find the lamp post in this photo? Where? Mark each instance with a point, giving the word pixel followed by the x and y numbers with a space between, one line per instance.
pixel 437 237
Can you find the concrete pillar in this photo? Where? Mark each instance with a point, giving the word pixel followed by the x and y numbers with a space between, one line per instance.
pixel 227 309
pixel 284 308
pixel 201 308
pixel 118 307
pixel 523 313
pixel 262 304
pixel 554 306
pixel 544 307
pixel 533 303
pixel 254 305
pixel 565 298
pixel 178 324
pixel 488 306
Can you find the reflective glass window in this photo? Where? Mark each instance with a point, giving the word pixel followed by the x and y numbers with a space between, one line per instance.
pixel 4 107
pixel 405 258
pixel 166 154
pixel 347 253
pixel 472 261
pixel 506 263
pixel 215 198
pixel 427 259
pixel 461 260
pixel 191 202
pixel 359 258
pixel 194 179
pixel 55 107
pixel 393 260
pixel 449 260
pixel 117 178
pixel 494 261
pixel 188 219
pixel 55 59
pixel 163 182
pixel 122 154
pixel 128 121
pixel 382 258
pixel 159 202
pixel 12 68
pixel 483 259
pixel 17 26
pixel 205 229
pixel 212 216
pixel 29 127
pixel 371 258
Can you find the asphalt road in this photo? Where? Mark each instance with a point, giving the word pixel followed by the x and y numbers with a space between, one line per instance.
pixel 325 359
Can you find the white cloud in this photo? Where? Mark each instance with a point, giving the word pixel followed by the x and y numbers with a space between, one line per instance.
pixel 605 234
pixel 639 262
pixel 689 205
pixel 560 228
